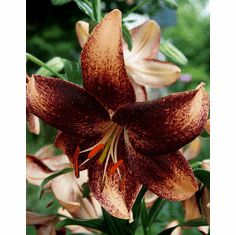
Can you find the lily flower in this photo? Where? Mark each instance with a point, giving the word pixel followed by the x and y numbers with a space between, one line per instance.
pixel 43 164
pixel 141 63
pixel 124 144
pixel 45 224
pixel 193 209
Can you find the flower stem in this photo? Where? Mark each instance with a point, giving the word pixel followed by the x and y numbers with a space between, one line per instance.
pixel 42 64
pixel 135 8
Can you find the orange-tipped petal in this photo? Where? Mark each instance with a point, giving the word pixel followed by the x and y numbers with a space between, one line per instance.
pixel 169 176
pixel 193 149
pixel 207 126
pixel 103 67
pixel 165 125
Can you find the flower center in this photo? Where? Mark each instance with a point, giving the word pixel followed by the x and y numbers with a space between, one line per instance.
pixel 107 147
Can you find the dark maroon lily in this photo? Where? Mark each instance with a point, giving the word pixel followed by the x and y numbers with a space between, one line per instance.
pixel 123 143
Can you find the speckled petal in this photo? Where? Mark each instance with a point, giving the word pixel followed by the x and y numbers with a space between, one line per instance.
pixel 113 197
pixel 103 68
pixel 153 72
pixel 146 41
pixel 65 106
pixel 169 176
pixel 82 32
pixel 68 144
pixel 165 125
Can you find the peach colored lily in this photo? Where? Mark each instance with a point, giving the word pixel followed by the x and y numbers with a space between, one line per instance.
pixel 45 224
pixel 66 188
pixel 124 144
pixel 192 208
pixel 141 65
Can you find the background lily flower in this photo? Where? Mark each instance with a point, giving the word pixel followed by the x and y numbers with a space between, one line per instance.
pixel 43 164
pixel 45 224
pixel 141 63
pixel 123 144
pixel 194 210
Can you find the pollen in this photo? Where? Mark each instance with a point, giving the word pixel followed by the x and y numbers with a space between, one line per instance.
pixel 95 150
pixel 115 166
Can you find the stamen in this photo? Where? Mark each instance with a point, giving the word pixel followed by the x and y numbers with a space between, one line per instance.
pixel 95 150
pixel 115 166
pixel 104 153
pixel 76 162
pixel 103 140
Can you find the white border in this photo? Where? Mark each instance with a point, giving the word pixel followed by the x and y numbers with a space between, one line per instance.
pixel 12 123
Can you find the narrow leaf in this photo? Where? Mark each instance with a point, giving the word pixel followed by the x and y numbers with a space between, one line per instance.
pixel 60 2
pixel 56 64
pixel 49 178
pixel 137 208
pixel 41 63
pixel 73 72
pixel 127 36
pixel 144 217
pixel 97 224
pixel 155 210
pixel 191 223
pixel 203 176
pixel 171 4
pixel 85 7
pixel 204 134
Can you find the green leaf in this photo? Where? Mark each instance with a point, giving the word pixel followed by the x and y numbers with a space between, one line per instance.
pixel 127 36
pixel 42 64
pixel 114 225
pixel 86 190
pixel 204 134
pixel 173 53
pixel 137 208
pixel 96 9
pixel 60 2
pixel 203 176
pixel 171 4
pixel 73 72
pixel 56 64
pixel 191 223
pixel 49 178
pixel 97 224
pixel 85 7
pixel 144 217
pixel 135 8
pixel 155 210
pixel 92 25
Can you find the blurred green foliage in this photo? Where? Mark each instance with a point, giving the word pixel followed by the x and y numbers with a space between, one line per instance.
pixel 51 32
